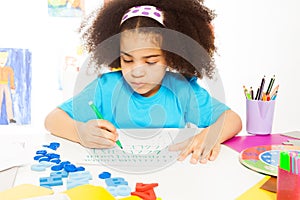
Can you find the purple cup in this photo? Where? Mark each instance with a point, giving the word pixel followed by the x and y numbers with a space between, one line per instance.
pixel 259 116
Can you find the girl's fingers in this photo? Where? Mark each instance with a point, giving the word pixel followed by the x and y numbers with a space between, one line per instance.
pixel 178 147
pixel 191 148
pixel 108 135
pixel 215 152
pixel 104 124
pixel 195 156
pixel 101 145
pixel 104 129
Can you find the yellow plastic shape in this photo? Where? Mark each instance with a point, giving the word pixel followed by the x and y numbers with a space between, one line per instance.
pixel 25 191
pixel 89 192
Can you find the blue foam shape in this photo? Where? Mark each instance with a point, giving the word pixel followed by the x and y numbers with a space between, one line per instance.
pixel 80 175
pixel 37 157
pixel 51 181
pixel 52 155
pixel 74 183
pixel 104 175
pixel 54 145
pixel 44 159
pixel 38 168
pixel 80 168
pixel 47 163
pixel 55 160
pixel 112 190
pixel 57 167
pixel 70 168
pixel 123 190
pixel 65 163
pixel 61 173
pixel 115 181
pixel 42 152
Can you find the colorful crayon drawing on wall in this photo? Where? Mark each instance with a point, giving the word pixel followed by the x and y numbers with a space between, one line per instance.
pixel 71 62
pixel 15 86
pixel 65 8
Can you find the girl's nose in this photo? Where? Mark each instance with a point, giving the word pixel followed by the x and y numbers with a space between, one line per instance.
pixel 138 71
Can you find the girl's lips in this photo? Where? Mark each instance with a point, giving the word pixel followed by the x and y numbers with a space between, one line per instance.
pixel 137 84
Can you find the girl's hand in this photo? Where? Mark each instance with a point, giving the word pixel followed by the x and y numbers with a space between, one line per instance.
pixel 203 146
pixel 97 133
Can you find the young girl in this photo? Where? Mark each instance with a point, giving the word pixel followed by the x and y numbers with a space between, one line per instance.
pixel 162 48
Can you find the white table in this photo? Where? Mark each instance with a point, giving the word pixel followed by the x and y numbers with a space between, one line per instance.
pixel 224 178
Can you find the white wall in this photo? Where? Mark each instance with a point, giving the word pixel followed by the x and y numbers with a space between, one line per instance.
pixel 254 38
pixel 26 24
pixel 257 38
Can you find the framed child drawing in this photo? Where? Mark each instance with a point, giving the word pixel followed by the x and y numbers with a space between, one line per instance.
pixel 15 86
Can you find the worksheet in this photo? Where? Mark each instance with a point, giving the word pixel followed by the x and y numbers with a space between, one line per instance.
pixel 144 150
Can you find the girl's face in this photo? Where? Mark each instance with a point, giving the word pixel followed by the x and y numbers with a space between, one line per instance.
pixel 142 62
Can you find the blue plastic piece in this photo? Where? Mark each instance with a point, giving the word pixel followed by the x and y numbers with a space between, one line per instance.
pixel 52 155
pixel 112 190
pixel 123 190
pixel 44 159
pixel 37 157
pixel 65 163
pixel 61 173
pixel 80 175
pixel 53 145
pixel 42 152
pixel 47 163
pixel 115 181
pixel 57 167
pixel 38 168
pixel 70 168
pixel 73 183
pixel 104 175
pixel 55 160
pixel 80 168
pixel 51 181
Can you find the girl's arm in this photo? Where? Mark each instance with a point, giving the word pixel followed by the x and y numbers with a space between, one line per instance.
pixel 59 123
pixel 95 133
pixel 228 125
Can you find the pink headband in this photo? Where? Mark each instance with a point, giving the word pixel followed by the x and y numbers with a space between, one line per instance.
pixel 145 11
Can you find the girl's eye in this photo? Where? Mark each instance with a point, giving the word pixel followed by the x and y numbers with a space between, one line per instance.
pixel 151 63
pixel 127 61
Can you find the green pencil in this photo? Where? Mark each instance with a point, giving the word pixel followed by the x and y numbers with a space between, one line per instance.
pixel 284 160
pixel 98 114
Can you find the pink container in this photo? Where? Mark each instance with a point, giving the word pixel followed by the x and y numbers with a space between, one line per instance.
pixel 259 116
pixel 288 185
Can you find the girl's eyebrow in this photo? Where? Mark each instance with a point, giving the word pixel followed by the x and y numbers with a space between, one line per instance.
pixel 149 56
pixel 122 52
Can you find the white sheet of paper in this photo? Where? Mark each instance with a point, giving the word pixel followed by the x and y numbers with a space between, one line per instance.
pixel 11 155
pixel 293 134
pixel 144 150
pixel 7 178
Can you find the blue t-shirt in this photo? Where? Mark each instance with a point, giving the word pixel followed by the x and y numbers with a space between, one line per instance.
pixel 178 101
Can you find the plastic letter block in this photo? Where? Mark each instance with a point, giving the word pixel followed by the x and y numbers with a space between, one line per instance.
pixel 123 190
pixel 115 181
pixel 51 181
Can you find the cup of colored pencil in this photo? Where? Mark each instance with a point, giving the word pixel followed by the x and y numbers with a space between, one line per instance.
pixel 260 107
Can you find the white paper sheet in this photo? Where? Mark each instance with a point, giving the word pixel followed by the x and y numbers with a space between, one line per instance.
pixel 11 155
pixel 144 150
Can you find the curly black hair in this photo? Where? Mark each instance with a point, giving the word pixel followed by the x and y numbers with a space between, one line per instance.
pixel 189 18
